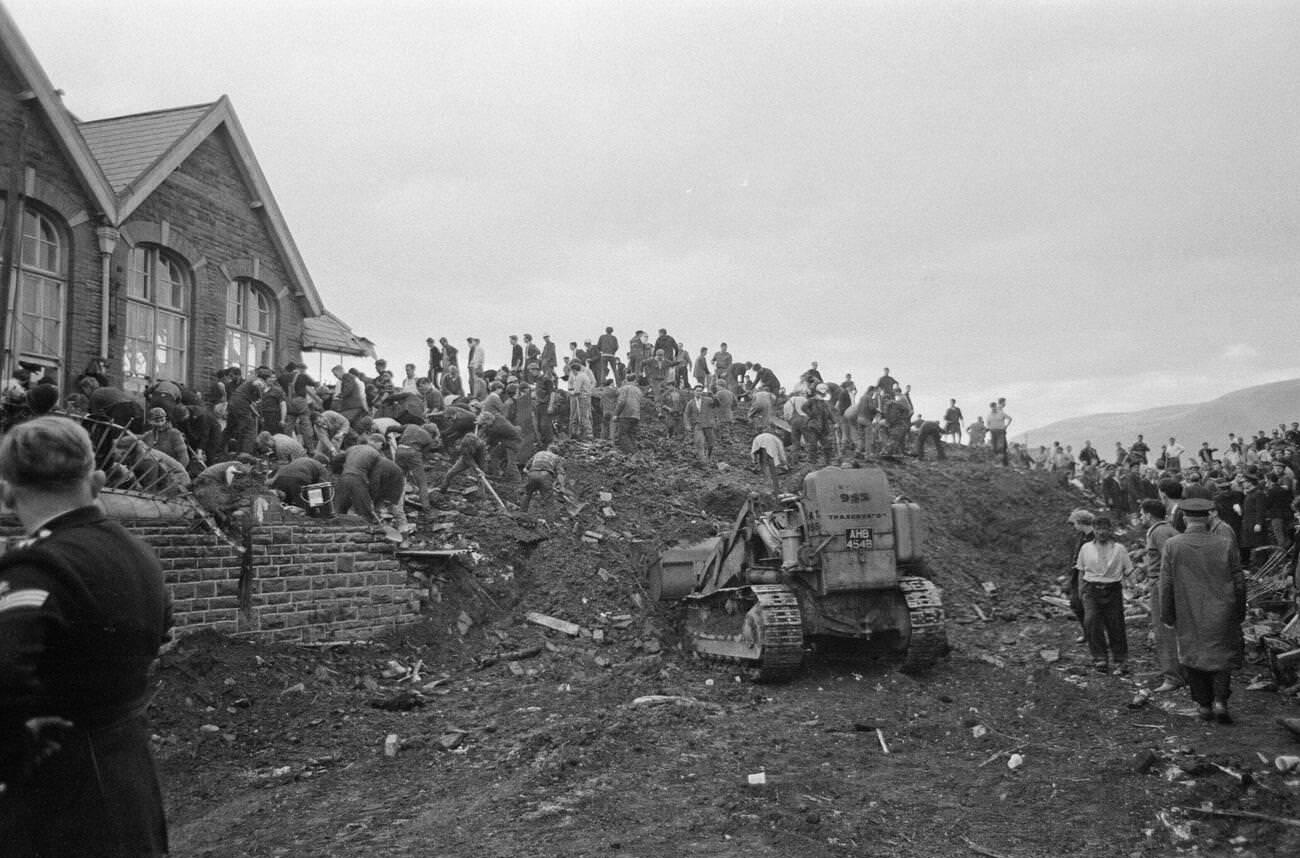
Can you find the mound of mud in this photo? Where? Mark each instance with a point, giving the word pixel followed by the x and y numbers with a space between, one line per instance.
pixel 545 708
pixel 995 537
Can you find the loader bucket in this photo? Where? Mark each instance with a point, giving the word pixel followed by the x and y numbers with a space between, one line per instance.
pixel 674 574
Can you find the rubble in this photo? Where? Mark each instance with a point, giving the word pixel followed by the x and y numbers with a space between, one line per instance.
pixel 674 700
pixel 578 715
pixel 402 701
pixel 568 628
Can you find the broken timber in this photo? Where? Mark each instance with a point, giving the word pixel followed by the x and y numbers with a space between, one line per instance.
pixel 431 553
pixel 570 629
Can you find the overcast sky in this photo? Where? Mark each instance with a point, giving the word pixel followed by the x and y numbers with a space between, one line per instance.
pixel 1079 206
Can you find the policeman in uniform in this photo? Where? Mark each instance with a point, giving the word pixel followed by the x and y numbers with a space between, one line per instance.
pixel 83 611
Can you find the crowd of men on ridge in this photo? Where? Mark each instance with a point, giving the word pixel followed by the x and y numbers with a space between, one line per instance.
pixel 369 431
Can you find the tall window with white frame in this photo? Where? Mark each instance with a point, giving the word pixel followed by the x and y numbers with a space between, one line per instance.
pixel 159 295
pixel 41 291
pixel 250 325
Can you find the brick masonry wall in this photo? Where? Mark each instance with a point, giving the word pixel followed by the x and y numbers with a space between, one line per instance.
pixel 57 193
pixel 308 580
pixel 205 204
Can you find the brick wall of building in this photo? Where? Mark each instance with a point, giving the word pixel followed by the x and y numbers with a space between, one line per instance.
pixel 308 580
pixel 212 225
pixel 211 222
pixel 32 163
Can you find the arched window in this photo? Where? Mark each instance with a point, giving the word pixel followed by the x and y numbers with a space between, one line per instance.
pixel 250 325
pixel 159 293
pixel 39 302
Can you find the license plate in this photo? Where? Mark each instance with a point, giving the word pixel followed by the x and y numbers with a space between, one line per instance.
pixel 859 538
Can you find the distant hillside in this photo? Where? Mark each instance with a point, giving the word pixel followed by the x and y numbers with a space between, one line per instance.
pixel 1242 411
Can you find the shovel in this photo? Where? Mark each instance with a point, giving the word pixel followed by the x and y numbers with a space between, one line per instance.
pixel 487 486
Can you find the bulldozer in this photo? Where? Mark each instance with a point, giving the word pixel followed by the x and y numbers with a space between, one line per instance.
pixel 841 559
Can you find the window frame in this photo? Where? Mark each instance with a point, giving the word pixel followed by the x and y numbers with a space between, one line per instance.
pixel 147 264
pixel 37 279
pixel 252 321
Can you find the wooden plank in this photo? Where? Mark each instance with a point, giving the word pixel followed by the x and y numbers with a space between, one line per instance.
pixel 570 629
pixel 1288 656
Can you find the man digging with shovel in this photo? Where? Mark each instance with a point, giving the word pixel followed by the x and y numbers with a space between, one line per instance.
pixel 545 474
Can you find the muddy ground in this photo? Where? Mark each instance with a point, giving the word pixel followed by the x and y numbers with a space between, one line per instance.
pixel 518 740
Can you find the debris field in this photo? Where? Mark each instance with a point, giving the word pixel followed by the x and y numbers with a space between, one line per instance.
pixel 544 706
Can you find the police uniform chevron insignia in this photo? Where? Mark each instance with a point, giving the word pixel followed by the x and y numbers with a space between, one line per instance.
pixel 28 597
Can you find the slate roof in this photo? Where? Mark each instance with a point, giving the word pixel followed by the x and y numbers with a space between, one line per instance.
pixel 127 146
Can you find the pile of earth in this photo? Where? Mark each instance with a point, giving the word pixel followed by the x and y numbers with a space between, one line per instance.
pixel 481 732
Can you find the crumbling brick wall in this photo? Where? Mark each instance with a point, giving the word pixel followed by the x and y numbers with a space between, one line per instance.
pixel 305 580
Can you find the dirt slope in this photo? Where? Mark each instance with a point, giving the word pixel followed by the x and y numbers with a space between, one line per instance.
pixel 527 742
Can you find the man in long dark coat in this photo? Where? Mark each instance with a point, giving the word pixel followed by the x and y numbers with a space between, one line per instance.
pixel 1203 597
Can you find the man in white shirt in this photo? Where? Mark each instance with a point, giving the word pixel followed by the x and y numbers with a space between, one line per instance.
pixel 1174 456
pixel 1102 565
pixel 410 382
pixel 998 422
pixel 581 386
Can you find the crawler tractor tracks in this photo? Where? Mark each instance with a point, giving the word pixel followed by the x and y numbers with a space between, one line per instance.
pixel 929 641
pixel 758 627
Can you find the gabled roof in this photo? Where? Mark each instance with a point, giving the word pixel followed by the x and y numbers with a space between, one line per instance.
pixel 66 133
pixel 126 146
pixel 135 138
